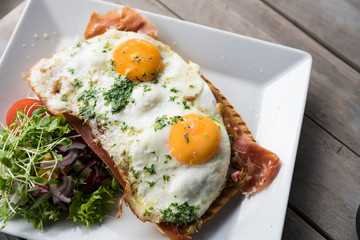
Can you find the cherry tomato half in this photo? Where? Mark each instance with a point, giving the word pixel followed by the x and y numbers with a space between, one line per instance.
pixel 23 104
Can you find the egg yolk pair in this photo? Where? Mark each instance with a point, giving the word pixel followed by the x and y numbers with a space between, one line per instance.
pixel 195 140
pixel 137 59
pixel 192 141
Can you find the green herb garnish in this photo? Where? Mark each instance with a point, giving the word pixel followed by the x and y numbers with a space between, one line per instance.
pixel 119 94
pixel 134 173
pixel 151 184
pixel 180 214
pixel 71 70
pixel 160 122
pixel 150 170
pixel 186 136
pixel 86 113
pixel 185 105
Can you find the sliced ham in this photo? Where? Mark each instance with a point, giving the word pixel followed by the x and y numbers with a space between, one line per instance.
pixel 253 167
pixel 127 20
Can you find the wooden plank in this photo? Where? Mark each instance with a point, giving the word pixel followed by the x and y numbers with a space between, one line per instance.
pixel 334 92
pixel 334 23
pixel 296 229
pixel 326 182
pixel 333 102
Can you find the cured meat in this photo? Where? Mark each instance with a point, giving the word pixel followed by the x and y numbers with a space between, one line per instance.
pixel 253 166
pixel 127 20
pixel 256 165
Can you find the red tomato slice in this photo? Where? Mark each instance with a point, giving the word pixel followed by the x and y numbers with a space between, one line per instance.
pixel 23 104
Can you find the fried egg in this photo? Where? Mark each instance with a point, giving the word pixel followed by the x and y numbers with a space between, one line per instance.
pixel 151 111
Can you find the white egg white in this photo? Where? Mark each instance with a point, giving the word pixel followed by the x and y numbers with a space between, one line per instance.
pixel 79 76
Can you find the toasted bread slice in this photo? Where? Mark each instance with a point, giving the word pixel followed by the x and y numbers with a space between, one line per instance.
pixel 252 167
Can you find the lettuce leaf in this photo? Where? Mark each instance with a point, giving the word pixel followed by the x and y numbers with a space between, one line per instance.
pixel 42 212
pixel 90 208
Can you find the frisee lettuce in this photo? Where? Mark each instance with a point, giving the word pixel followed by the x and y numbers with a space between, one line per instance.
pixel 23 146
pixel 91 208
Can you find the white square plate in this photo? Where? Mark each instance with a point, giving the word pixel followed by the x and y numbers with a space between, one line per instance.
pixel 266 83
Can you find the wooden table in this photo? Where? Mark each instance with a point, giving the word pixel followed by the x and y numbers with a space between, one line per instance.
pixel 325 192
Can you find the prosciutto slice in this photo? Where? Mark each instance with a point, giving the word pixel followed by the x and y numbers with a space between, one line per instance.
pixel 253 167
pixel 255 164
pixel 127 20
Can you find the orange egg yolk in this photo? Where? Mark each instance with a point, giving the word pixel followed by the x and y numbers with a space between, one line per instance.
pixel 195 140
pixel 137 59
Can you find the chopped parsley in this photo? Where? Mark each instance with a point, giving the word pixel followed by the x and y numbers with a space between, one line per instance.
pixel 107 47
pixel 104 117
pixel 119 94
pixel 87 113
pixel 180 213
pixel 147 88
pixel 175 119
pixel 136 58
pixel 166 178
pixel 77 83
pixel 134 173
pixel 147 213
pixel 172 98
pixel 186 136
pixel 160 122
pixel 185 105
pixel 174 90
pixel 150 170
pixel 63 97
pixel 87 95
pixel 151 184
pixel 71 70
pixel 155 73
pixel 123 126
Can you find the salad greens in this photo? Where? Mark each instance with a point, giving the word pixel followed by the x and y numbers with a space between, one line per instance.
pixel 48 173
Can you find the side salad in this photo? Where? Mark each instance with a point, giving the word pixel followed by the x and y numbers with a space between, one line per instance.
pixel 47 172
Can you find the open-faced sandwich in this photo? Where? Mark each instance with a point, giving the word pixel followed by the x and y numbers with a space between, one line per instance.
pixel 169 136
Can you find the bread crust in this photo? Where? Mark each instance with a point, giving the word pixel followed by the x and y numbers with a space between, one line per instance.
pixel 234 125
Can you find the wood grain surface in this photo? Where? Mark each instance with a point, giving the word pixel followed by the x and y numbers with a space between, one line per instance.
pixel 325 192
pixel 334 23
pixel 297 229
